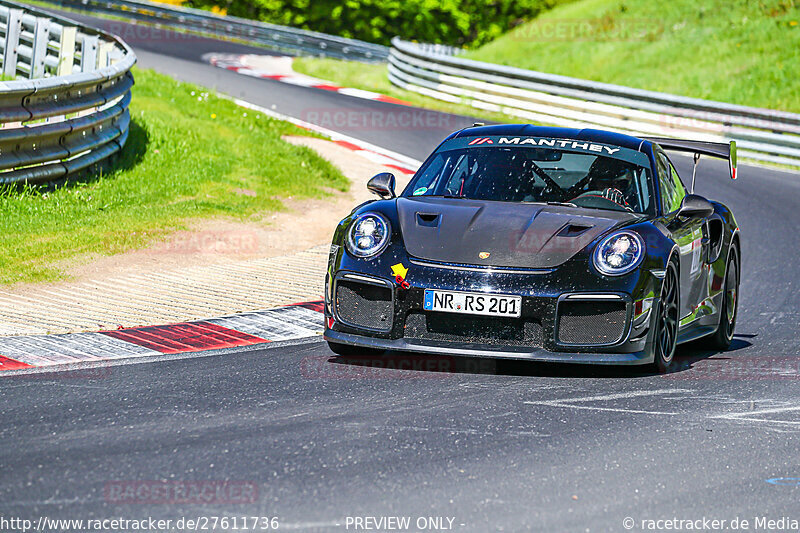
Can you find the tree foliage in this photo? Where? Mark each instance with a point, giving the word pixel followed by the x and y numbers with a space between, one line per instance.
pixel 454 22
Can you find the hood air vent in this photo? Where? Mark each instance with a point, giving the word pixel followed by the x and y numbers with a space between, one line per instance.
pixel 573 230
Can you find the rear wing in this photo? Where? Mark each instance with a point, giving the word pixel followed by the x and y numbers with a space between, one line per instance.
pixel 698 148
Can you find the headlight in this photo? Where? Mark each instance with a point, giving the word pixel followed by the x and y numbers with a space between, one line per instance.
pixel 619 253
pixel 368 235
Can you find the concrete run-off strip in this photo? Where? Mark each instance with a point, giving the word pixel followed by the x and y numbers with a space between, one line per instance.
pixel 167 296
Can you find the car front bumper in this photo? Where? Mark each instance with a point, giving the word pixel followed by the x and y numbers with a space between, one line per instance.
pixel 542 307
pixel 494 351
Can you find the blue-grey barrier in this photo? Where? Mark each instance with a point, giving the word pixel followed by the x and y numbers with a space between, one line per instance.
pixel 761 134
pixel 64 106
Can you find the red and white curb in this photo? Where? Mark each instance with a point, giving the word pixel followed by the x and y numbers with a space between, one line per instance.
pixel 236 63
pixel 292 322
pixel 374 153
pixel 376 157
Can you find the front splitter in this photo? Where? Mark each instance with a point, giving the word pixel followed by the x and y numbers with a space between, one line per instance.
pixel 482 350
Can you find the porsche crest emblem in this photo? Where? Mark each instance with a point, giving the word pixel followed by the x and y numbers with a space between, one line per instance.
pixel 484 255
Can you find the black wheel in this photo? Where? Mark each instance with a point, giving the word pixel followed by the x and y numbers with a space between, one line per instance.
pixel 666 334
pixel 721 339
pixel 347 349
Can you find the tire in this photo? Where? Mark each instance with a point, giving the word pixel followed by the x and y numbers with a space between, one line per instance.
pixel 665 338
pixel 347 349
pixel 729 311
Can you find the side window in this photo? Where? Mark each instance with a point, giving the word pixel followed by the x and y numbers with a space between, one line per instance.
pixel 672 190
pixel 459 175
pixel 426 182
pixel 679 192
pixel 643 190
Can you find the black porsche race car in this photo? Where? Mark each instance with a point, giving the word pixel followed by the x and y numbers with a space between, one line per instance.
pixel 547 244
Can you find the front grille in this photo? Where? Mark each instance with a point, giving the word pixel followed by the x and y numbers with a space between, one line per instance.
pixel 363 305
pixel 591 322
pixel 474 329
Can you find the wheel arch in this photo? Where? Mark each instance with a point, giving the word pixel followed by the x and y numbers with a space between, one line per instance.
pixel 734 245
pixel 737 245
pixel 674 257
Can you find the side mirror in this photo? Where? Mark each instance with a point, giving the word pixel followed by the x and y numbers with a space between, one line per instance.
pixel 695 206
pixel 733 160
pixel 382 185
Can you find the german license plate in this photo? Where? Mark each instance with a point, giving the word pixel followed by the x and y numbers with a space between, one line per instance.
pixel 473 303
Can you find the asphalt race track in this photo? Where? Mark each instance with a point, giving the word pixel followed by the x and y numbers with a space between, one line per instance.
pixel 494 446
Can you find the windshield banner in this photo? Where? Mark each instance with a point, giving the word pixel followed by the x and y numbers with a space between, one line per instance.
pixel 560 145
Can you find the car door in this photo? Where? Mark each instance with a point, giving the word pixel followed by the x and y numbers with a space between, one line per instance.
pixel 687 233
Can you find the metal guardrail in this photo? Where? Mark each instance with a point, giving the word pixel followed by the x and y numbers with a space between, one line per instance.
pixel 282 38
pixel 71 111
pixel 761 134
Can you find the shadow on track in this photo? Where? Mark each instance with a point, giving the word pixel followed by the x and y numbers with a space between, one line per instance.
pixel 693 352
pixel 689 355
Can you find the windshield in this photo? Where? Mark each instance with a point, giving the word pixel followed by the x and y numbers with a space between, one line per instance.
pixel 514 173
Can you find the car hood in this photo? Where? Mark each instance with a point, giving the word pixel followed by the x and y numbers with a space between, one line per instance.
pixel 458 230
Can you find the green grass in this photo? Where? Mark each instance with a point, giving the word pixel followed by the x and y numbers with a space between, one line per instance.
pixel 187 155
pixel 739 51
